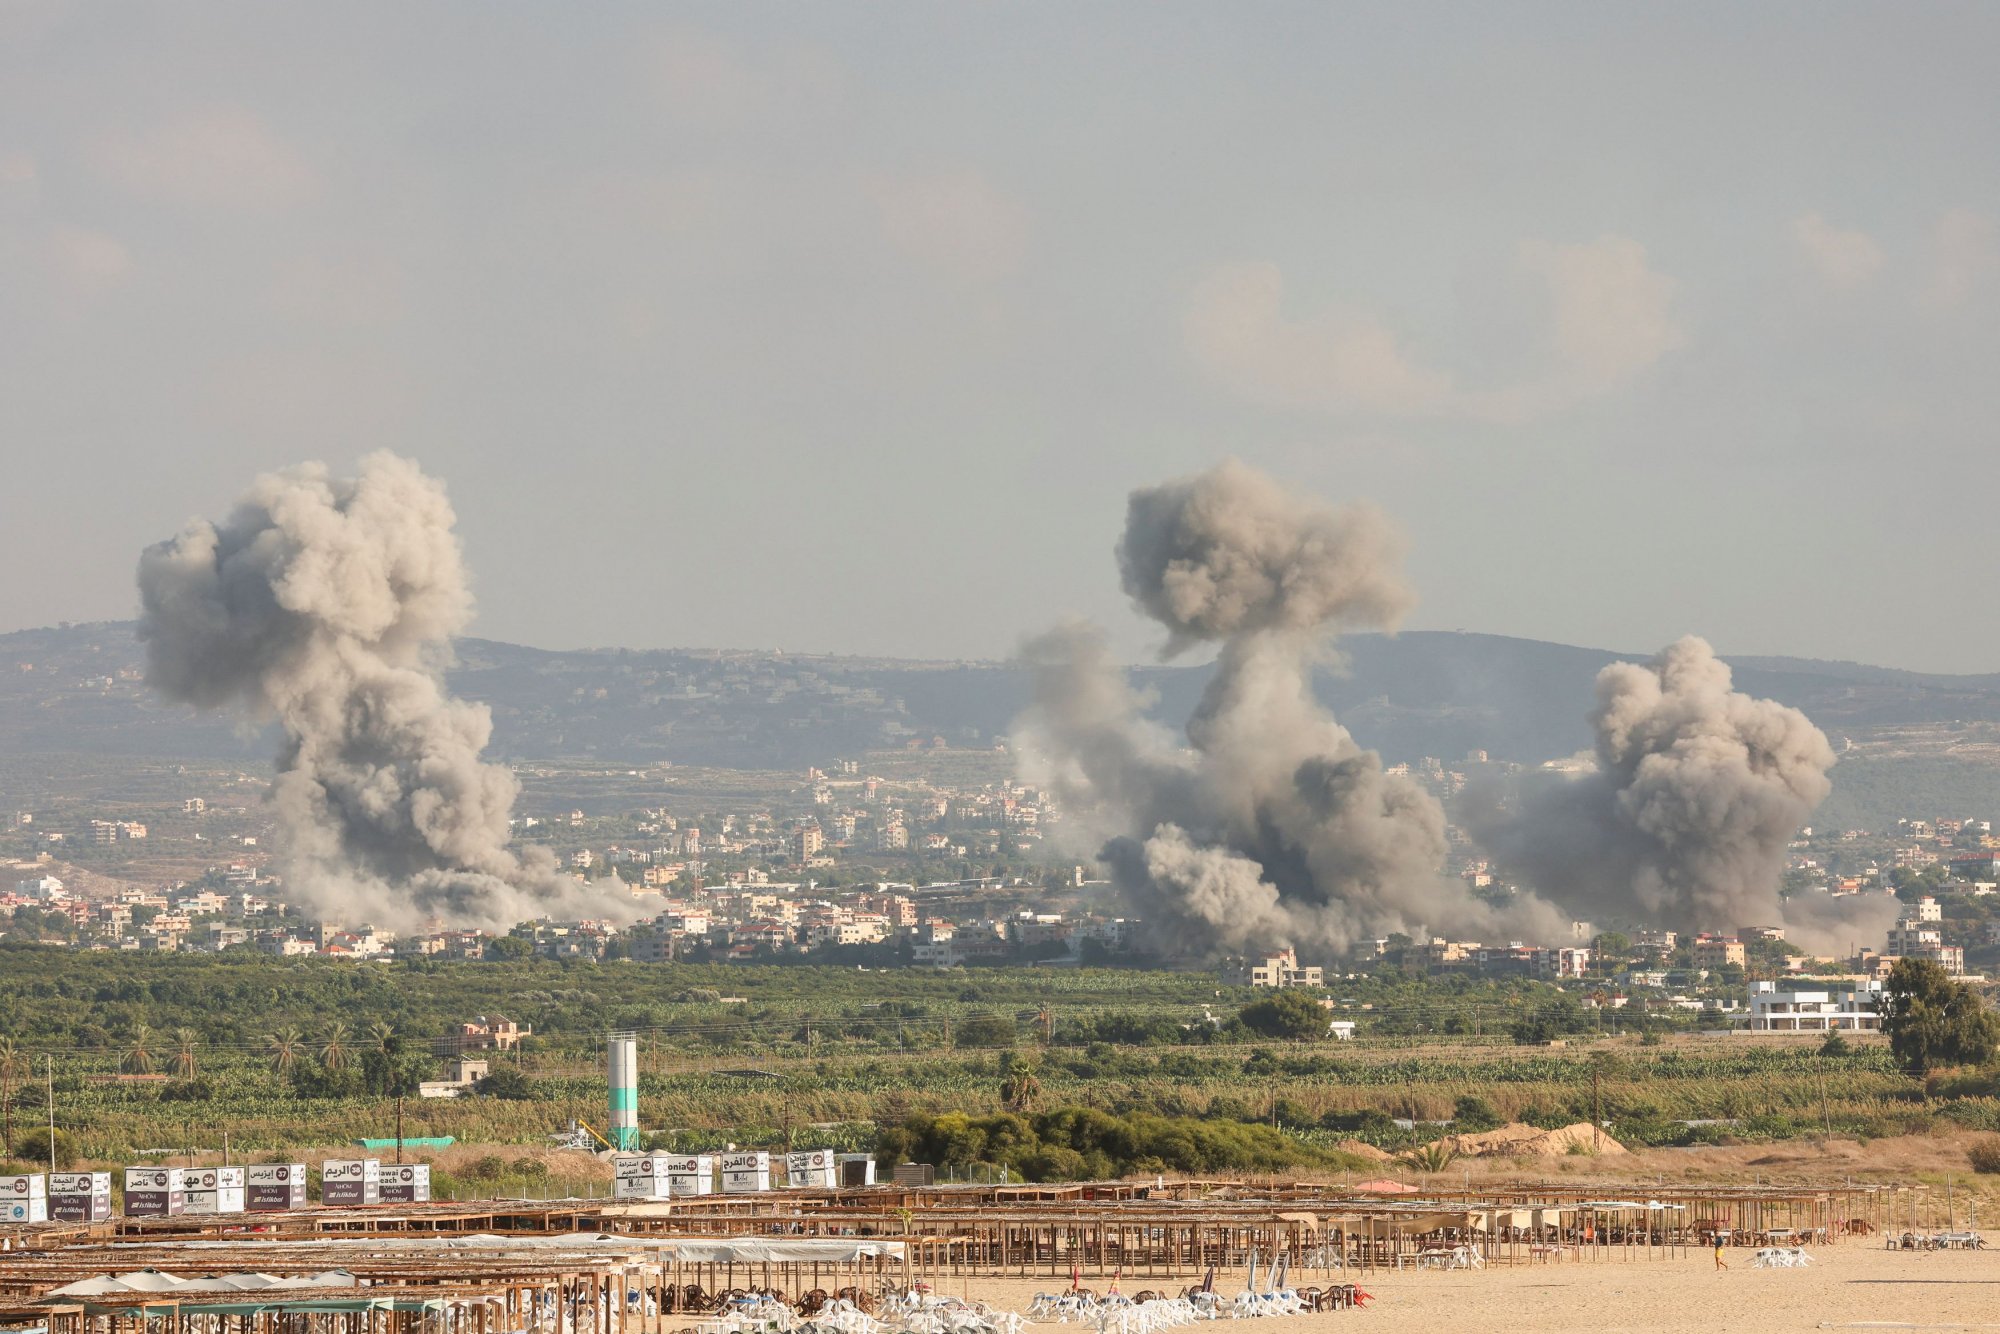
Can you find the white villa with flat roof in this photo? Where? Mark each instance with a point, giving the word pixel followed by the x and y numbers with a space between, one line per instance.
pixel 1851 1007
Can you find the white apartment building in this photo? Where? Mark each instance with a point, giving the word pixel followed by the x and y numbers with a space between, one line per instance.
pixel 45 888
pixel 1850 1007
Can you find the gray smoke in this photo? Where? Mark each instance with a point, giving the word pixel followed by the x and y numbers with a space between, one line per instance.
pixel 1272 826
pixel 1684 818
pixel 329 604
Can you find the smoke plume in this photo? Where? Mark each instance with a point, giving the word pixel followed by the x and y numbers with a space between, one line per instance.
pixel 328 604
pixel 1684 819
pixel 1272 827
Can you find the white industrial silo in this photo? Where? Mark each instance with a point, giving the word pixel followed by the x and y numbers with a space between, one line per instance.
pixel 624 1069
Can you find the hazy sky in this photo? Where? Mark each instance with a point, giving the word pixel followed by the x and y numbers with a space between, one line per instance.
pixel 848 327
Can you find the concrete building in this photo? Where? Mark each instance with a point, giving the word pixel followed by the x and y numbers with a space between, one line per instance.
pixel 1282 970
pixel 1653 940
pixel 1562 962
pixel 1852 1007
pixel 1924 940
pixel 482 1034
pixel 1438 952
pixel 1713 952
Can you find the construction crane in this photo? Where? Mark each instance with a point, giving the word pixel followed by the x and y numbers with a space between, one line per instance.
pixel 579 1136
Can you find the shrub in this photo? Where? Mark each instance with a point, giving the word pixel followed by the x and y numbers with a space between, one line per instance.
pixel 1964 1084
pixel 985 1030
pixel 1972 1113
pixel 1367 1121
pixel 1291 1112
pixel 1555 1019
pixel 506 1083
pixel 1293 1016
pixel 33 1145
pixel 1985 1154
pixel 1472 1112
pixel 1083 1142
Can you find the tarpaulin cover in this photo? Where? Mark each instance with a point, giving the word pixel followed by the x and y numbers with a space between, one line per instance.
pixel 489 1241
pixel 151 1282
pixel 776 1250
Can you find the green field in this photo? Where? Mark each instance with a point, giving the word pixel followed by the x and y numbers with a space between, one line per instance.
pixel 779 1055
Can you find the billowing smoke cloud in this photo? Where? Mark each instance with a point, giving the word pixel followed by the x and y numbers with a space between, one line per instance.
pixel 1684 819
pixel 328 604
pixel 1273 827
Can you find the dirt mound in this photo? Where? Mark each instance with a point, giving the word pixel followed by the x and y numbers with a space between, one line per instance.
pixel 1505 1140
pixel 1582 1136
pixel 1524 1141
pixel 1368 1151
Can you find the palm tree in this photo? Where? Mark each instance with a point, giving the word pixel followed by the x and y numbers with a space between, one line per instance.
pixel 139 1056
pixel 1432 1157
pixel 284 1047
pixel 333 1052
pixel 13 1064
pixel 382 1036
pixel 1020 1090
pixel 185 1041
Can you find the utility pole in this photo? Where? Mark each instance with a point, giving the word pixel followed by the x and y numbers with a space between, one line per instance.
pixel 1596 1108
pixel 50 1067
pixel 399 1127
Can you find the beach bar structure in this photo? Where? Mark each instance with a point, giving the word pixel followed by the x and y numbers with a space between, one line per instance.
pixel 573 1283
pixel 606 1266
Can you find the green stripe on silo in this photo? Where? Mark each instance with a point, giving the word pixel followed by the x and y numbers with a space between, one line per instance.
pixel 624 1100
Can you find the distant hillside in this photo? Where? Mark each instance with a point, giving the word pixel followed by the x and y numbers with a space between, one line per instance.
pixel 76 690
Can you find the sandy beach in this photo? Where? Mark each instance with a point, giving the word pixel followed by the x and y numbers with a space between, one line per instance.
pixel 1853 1285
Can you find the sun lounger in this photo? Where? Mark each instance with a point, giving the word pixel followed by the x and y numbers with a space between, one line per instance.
pixel 1781 1257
